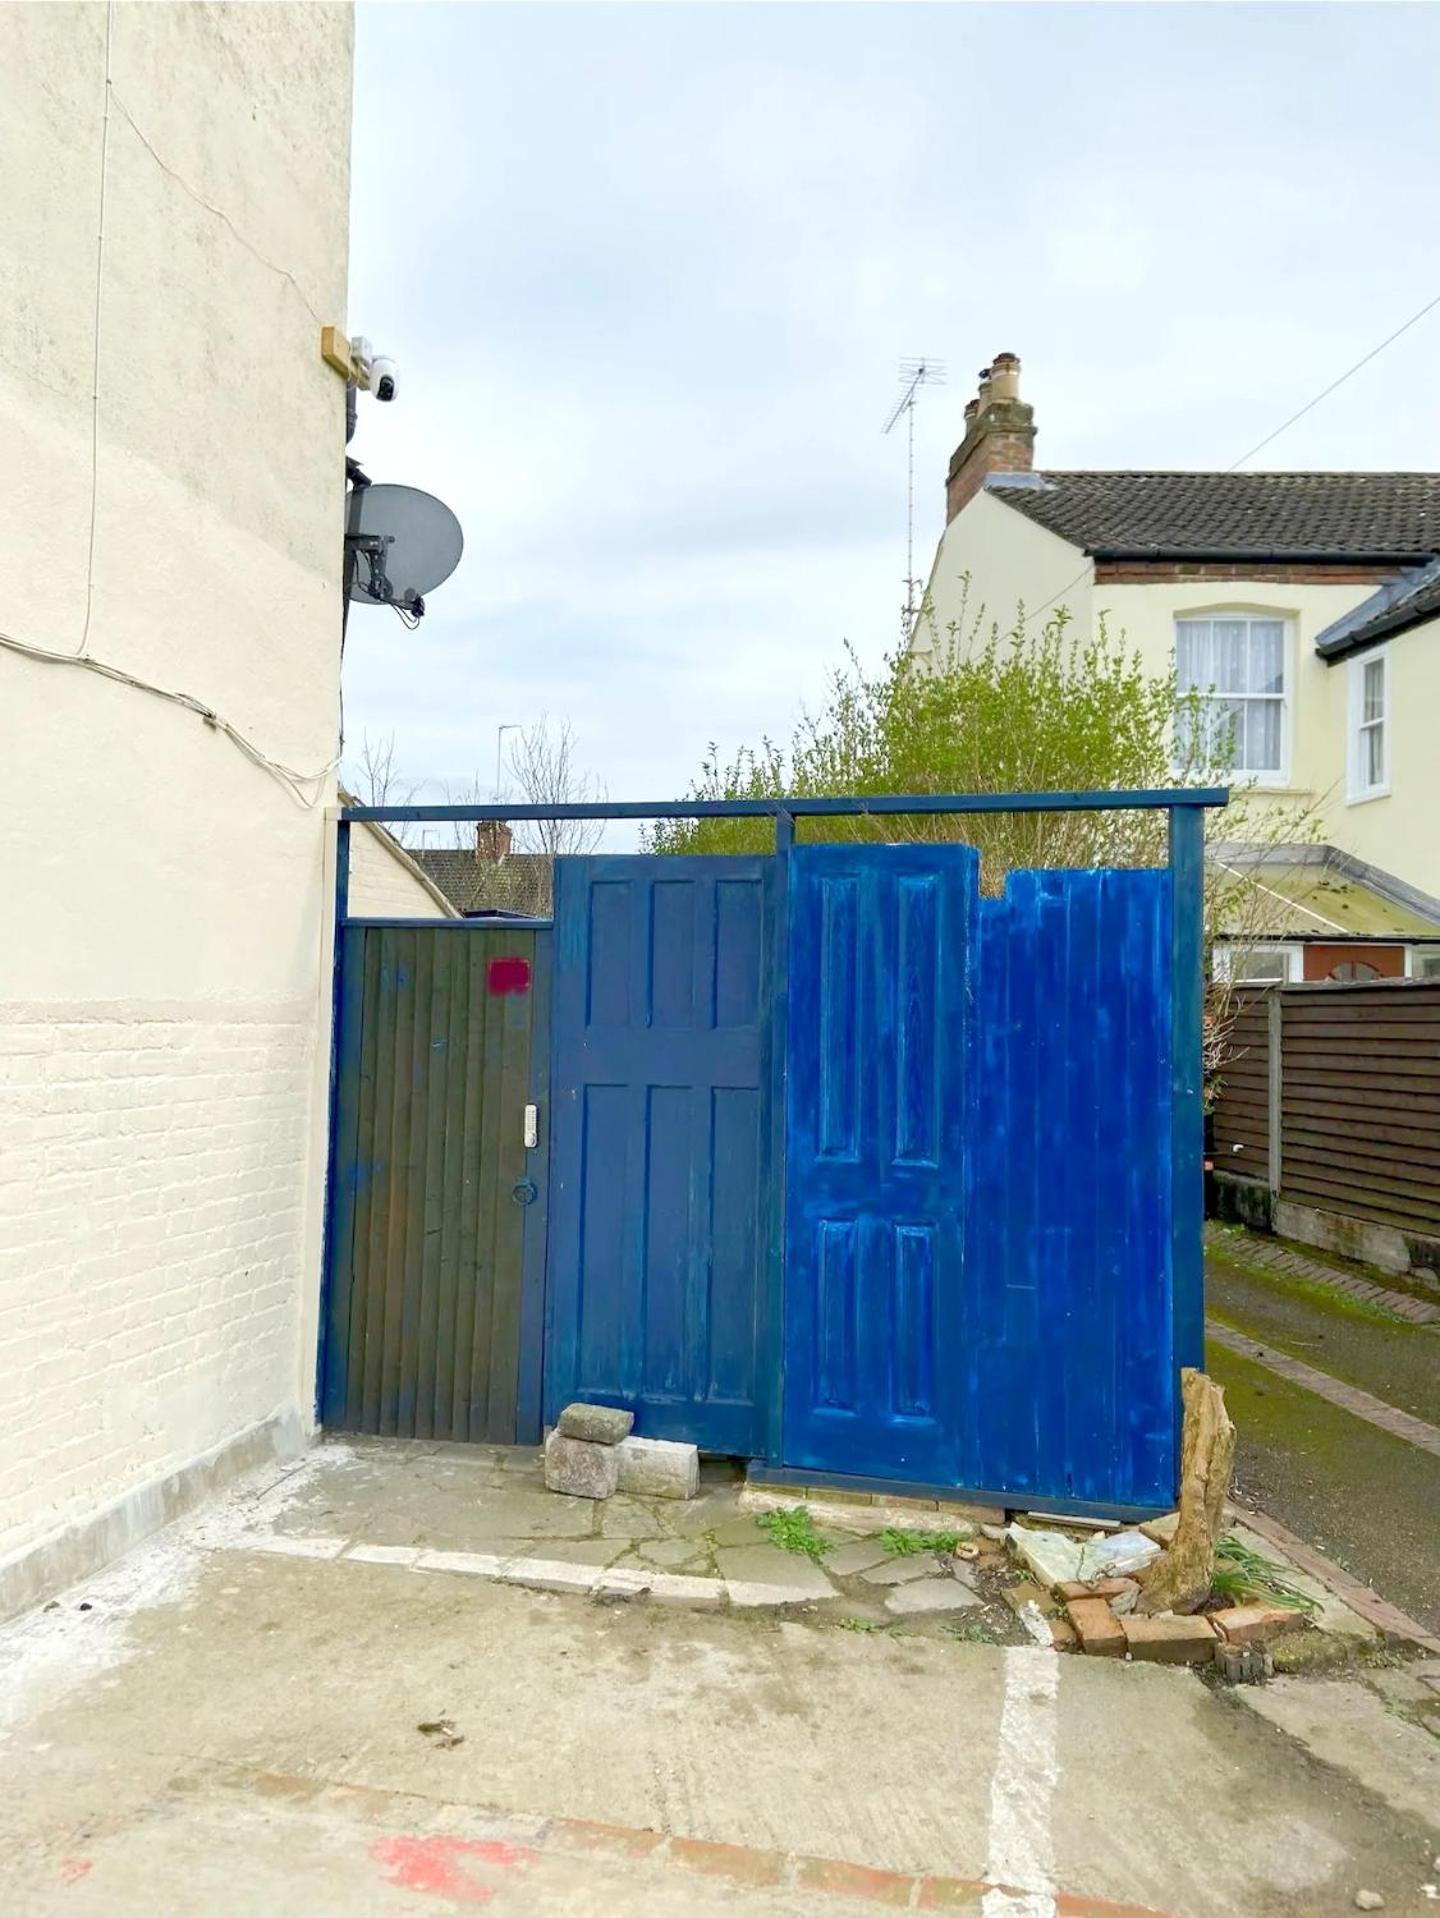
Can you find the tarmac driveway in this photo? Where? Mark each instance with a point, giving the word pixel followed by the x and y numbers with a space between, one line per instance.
pixel 235 1728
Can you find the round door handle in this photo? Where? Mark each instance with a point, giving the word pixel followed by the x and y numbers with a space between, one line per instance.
pixel 524 1192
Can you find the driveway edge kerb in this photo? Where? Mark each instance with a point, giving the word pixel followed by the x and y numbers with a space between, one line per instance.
pixel 1387 1619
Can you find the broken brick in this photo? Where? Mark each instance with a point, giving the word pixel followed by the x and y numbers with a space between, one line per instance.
pixel 1168 1640
pixel 1027 1592
pixel 1253 1624
pixel 1097 1588
pixel 1101 1633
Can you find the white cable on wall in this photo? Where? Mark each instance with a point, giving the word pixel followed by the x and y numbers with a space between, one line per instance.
pixel 307 789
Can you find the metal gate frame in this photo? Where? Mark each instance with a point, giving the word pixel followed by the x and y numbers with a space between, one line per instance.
pixel 1185 809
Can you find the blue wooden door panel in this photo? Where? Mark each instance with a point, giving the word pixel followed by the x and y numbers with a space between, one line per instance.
pixel 1069 1271
pixel 660 1061
pixel 879 943
pixel 978 1277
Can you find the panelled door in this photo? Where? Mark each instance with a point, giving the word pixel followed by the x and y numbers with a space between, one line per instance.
pixel 660 1149
pixel 879 953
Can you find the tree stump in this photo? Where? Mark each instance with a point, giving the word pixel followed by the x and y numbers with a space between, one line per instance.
pixel 1180 1580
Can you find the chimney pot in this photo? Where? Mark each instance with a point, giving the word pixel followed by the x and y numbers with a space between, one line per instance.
pixel 493 839
pixel 999 434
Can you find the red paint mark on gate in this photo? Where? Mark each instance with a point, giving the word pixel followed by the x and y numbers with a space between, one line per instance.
pixel 447 1866
pixel 504 976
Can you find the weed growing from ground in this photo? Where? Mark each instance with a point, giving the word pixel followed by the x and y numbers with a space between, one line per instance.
pixel 793 1530
pixel 900 1542
pixel 1241 1573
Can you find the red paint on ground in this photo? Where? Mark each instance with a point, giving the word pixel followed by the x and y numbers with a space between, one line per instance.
pixel 445 1866
pixel 72 1870
pixel 505 976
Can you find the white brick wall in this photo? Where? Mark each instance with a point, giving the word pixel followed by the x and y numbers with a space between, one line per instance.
pixel 384 886
pixel 152 1243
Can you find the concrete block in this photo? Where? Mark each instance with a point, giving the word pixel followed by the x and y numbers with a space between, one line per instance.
pixel 579 1468
pixel 598 1424
pixel 655 1468
pixel 1100 1632
pixel 1168 1640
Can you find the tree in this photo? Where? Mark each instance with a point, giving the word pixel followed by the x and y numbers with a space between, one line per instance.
pixel 545 771
pixel 542 769
pixel 1042 710
pixel 374 780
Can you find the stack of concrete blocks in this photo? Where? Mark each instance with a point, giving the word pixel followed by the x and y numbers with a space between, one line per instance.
pixel 591 1454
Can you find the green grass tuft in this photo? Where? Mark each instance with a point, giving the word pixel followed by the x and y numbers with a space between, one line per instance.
pixel 1242 1574
pixel 901 1542
pixel 793 1530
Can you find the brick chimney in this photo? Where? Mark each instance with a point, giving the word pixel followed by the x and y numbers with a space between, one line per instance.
pixel 492 839
pixel 999 434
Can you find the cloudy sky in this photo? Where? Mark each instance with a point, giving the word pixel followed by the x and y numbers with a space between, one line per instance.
pixel 649 272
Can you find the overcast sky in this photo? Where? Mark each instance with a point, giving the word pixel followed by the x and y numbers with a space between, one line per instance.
pixel 649 271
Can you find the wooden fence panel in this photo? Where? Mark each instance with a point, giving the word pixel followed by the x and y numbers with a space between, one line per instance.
pixel 1359 1100
pixel 1241 1129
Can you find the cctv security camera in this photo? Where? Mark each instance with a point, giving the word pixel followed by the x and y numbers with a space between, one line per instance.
pixel 384 378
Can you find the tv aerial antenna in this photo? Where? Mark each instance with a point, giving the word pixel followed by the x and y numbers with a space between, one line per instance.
pixel 914 374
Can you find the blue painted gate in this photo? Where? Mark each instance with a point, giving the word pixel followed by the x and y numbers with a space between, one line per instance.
pixel 978 1187
pixel 660 1146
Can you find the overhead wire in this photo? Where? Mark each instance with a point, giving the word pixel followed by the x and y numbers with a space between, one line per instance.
pixel 306 788
pixel 1283 427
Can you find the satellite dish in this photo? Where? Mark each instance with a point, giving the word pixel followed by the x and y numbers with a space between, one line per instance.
pixel 400 544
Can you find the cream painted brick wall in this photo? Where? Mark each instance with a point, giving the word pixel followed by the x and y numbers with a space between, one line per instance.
pixel 382 886
pixel 164 968
pixel 152 1243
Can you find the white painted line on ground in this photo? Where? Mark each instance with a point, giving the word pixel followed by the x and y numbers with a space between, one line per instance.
pixel 1362 1405
pixel 1020 1854
pixel 295 1545
pixel 553 1575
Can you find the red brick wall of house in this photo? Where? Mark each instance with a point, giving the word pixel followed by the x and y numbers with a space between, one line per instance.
pixel 1320 961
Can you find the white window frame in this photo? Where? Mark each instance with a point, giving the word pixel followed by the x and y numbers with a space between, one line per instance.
pixel 1275 779
pixel 1228 954
pixel 1357 791
pixel 1414 953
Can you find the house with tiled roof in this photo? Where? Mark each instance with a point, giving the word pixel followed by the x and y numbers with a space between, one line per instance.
pixel 489 880
pixel 1305 607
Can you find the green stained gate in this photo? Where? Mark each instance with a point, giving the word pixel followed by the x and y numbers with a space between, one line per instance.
pixel 435 1190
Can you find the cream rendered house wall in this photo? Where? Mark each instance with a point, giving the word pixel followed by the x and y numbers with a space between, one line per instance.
pixel 990 559
pixel 1401 830
pixel 1009 560
pixel 164 973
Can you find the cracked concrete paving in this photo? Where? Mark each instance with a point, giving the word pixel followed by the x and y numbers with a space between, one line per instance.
pixel 232 1731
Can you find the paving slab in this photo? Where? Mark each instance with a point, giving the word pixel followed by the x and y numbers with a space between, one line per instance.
pixel 668 1552
pixel 768 1567
pixel 858 1556
pixel 901 1571
pixel 622 1517
pixel 930 1595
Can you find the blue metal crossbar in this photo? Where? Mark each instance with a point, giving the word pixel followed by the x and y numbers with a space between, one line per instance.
pixel 794 806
